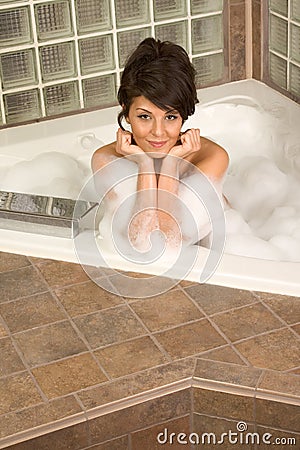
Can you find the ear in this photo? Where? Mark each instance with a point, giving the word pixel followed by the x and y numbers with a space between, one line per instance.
pixel 126 118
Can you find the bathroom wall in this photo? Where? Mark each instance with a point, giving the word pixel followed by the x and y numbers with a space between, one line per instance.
pixel 281 46
pixel 61 56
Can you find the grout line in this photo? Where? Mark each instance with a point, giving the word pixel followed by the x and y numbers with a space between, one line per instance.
pixel 248 39
pixel 285 323
pixel 217 328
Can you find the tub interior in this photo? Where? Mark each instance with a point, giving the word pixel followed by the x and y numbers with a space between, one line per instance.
pixel 257 126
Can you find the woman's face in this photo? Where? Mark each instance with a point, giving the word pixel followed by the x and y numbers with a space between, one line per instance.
pixel 154 130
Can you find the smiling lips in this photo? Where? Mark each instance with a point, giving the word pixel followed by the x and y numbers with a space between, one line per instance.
pixel 157 144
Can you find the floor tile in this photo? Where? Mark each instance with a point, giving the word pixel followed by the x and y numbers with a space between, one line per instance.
pixel 142 415
pixel 224 404
pixel 70 375
pixel 190 339
pixel 278 414
pixel 17 392
pixel 233 374
pixel 247 321
pixel 3 331
pixel 225 354
pixel 10 361
pixel 219 428
pixel 129 357
pixel 49 343
pixel 85 298
pixel 141 286
pixel 61 273
pixel 278 350
pixel 167 310
pixel 10 261
pixel 283 383
pixel 137 383
pixel 288 439
pixel 288 308
pixel 213 299
pixel 40 414
pixel 296 328
pixel 147 439
pixel 74 437
pixel 30 312
pixel 20 283
pixel 121 443
pixel 109 326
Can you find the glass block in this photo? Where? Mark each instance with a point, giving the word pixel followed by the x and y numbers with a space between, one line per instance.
pixel 93 15
pixel 96 54
pixel 53 20
pixel 295 79
pixel 278 71
pixel 295 43
pixel 278 35
pixel 22 106
pixel 207 34
pixel 57 61
pixel 173 32
pixel 206 6
pixel 132 12
pixel 61 98
pixel 99 91
pixel 209 69
pixel 129 40
pixel 280 6
pixel 295 10
pixel 169 9
pixel 15 26
pixel 18 68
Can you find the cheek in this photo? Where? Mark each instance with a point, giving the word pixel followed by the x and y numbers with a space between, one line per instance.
pixel 140 130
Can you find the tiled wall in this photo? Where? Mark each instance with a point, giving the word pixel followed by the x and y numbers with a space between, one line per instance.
pixel 282 68
pixel 60 56
pixel 177 417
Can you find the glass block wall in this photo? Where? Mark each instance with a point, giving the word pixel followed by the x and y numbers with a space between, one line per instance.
pixel 61 56
pixel 284 44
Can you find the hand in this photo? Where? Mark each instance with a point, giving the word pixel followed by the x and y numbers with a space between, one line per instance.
pixel 190 143
pixel 125 148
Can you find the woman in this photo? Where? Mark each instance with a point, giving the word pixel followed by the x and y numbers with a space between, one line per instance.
pixel 157 94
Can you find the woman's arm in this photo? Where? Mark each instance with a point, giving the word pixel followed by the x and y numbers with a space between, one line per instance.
pixel 204 154
pixel 144 214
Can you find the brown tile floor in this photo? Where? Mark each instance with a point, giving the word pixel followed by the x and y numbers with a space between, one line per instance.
pixel 64 341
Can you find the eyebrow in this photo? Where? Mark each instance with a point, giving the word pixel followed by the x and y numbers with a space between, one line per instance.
pixel 167 112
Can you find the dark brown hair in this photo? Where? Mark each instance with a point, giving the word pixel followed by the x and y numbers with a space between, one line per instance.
pixel 161 72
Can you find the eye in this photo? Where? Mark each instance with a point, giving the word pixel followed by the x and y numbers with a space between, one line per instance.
pixel 171 117
pixel 144 116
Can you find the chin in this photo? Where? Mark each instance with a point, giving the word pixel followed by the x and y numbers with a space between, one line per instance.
pixel 157 155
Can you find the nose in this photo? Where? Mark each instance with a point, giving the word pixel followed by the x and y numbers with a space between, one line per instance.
pixel 158 129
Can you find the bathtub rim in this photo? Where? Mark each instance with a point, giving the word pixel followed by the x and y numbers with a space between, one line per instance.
pixel 233 271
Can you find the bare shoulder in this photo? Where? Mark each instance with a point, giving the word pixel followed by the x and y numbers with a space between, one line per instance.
pixel 213 159
pixel 104 155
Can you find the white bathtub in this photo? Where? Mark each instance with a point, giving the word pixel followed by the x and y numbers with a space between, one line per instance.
pixel 79 135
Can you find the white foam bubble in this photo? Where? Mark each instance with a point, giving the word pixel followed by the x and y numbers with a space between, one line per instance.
pixel 51 173
pixel 266 203
pixel 251 246
pixel 290 246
